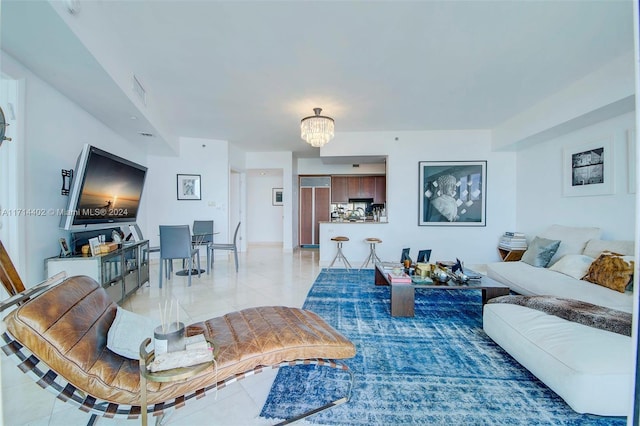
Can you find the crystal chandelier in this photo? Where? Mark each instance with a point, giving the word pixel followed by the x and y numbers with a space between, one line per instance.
pixel 317 129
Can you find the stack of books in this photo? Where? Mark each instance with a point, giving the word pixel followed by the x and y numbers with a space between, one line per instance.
pixel 394 271
pixel 513 241
pixel 399 278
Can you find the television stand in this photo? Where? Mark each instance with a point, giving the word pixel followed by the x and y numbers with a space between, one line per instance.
pixel 120 272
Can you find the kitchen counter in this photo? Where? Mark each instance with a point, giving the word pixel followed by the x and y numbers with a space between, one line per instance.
pixel 356 250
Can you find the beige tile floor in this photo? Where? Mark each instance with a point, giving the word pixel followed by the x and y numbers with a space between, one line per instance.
pixel 266 276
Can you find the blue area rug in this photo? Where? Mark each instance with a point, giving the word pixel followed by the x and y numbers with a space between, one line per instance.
pixel 438 368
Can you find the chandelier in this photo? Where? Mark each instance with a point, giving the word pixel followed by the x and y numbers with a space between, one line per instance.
pixel 317 129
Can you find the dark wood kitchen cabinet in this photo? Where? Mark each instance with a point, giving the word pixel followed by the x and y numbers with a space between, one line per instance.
pixel 339 189
pixel 345 187
pixel 353 186
pixel 361 186
pixel 380 195
pixel 367 187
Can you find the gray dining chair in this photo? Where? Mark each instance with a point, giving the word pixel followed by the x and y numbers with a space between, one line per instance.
pixel 229 246
pixel 175 243
pixel 203 236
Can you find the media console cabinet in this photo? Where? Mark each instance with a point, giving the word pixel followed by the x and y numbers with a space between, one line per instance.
pixel 120 272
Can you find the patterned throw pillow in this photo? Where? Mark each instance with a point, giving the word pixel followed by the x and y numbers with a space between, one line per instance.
pixel 611 270
pixel 540 252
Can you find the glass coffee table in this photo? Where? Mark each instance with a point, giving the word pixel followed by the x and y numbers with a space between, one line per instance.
pixel 403 294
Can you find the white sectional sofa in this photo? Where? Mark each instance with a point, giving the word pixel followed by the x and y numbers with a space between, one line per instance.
pixel 590 368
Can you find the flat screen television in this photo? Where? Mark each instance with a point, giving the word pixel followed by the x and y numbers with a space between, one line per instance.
pixel 105 191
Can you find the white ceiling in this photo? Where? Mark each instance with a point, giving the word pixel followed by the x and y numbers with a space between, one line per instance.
pixel 248 71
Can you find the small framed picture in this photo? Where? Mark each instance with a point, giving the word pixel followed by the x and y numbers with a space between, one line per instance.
pixel 276 196
pixel 424 256
pixel 588 168
pixel 94 245
pixel 64 248
pixel 188 187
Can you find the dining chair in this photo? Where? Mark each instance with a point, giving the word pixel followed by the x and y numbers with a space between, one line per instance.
pixel 175 243
pixel 203 236
pixel 230 247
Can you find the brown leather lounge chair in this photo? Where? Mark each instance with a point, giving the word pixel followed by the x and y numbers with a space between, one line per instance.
pixel 58 335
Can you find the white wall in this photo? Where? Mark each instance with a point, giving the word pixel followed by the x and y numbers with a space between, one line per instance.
pixel 55 131
pixel 471 244
pixel 205 157
pixel 315 166
pixel 539 182
pixel 264 220
pixel 596 96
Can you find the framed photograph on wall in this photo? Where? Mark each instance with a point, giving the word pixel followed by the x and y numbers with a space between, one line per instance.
pixel 587 169
pixel 452 193
pixel 188 187
pixel 276 196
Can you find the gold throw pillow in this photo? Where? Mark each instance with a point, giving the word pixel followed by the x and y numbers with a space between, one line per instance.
pixel 611 270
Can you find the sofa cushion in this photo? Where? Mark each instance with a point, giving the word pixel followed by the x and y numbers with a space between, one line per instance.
pixel 590 369
pixel 528 280
pixel 594 247
pixel 540 252
pixel 573 239
pixel 611 270
pixel 574 265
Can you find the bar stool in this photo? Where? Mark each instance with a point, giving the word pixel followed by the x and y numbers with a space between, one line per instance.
pixel 339 256
pixel 373 257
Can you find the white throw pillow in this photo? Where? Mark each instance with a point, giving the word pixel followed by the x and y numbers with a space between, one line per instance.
pixel 127 331
pixel 574 265
pixel 623 247
pixel 573 239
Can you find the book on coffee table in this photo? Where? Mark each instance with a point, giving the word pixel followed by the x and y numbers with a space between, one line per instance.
pixel 398 278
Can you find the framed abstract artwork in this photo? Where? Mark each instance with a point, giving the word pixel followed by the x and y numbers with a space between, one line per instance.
pixel 188 187
pixel 587 169
pixel 452 193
